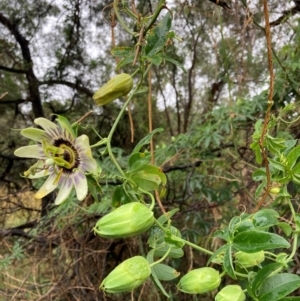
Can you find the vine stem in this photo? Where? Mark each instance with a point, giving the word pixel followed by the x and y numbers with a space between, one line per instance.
pixel 108 143
pixel 270 104
pixel 113 128
pixel 116 10
pixel 185 241
pixel 161 259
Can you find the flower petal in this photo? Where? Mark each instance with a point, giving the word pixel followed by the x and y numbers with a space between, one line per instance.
pixel 90 165
pixel 66 186
pixel 45 123
pixel 39 174
pixel 30 151
pixel 84 144
pixel 37 170
pixel 47 187
pixel 80 184
pixel 33 134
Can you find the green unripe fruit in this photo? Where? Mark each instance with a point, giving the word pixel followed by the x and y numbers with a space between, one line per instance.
pixel 275 190
pixel 128 275
pixel 231 293
pixel 199 281
pixel 247 260
pixel 128 220
pixel 118 86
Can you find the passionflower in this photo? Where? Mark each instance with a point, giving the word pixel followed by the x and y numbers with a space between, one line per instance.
pixel 62 156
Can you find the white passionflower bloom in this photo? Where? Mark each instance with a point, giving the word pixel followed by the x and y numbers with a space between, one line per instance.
pixel 63 157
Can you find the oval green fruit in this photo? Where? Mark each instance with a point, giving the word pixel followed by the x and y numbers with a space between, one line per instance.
pixel 128 220
pixel 231 293
pixel 119 85
pixel 247 260
pixel 128 275
pixel 200 281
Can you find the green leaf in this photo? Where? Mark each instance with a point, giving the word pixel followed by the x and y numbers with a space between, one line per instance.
pixel 276 164
pixel 297 222
pixel 148 177
pixel 286 228
pixel 65 124
pixel 153 274
pixel 167 216
pixel 146 181
pixel 169 59
pixel 137 159
pixel 120 197
pixel 127 60
pixel 290 299
pixel 155 59
pixel 265 218
pixel 263 274
pixel 274 145
pixel 296 169
pixel 146 140
pixel 94 187
pixel 218 256
pixel 239 223
pixel 253 241
pixel 289 144
pixel 157 37
pixel 223 234
pixel 278 286
pixel 162 250
pixel 164 272
pixel 245 225
pixel 141 89
pixel 158 237
pixel 99 207
pixel 228 265
pixel 259 175
pixel 296 179
pixel 259 189
pixel 122 51
pixel 293 156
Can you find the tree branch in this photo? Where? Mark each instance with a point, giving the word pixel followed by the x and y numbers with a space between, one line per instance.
pixel 223 4
pixel 285 15
pixel 13 70
pixel 75 86
pixel 33 88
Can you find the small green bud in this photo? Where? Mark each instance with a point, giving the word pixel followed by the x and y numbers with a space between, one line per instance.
pixel 247 260
pixel 128 220
pixel 231 293
pixel 275 190
pixel 282 258
pixel 199 281
pixel 128 275
pixel 118 86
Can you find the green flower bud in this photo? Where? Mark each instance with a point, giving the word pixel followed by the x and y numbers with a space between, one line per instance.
pixel 128 220
pixel 128 275
pixel 199 281
pixel 247 260
pixel 231 293
pixel 275 190
pixel 118 86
